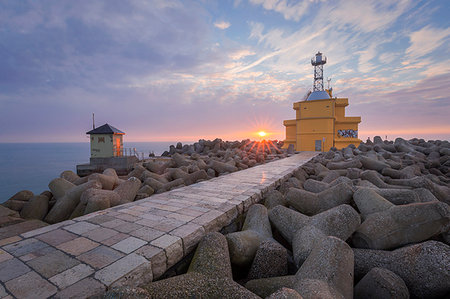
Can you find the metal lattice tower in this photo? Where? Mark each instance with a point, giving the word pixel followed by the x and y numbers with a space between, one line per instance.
pixel 318 61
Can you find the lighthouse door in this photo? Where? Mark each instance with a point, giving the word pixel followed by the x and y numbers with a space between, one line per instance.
pixel 318 147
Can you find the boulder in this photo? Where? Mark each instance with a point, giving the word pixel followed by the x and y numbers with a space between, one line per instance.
pixel 373 164
pixel 264 287
pixel 108 181
pixel 423 267
pixel 221 167
pixel 127 190
pixel 381 283
pixel 146 190
pixel 369 201
pixel 311 203
pixel 244 244
pixel 274 198
pixel 98 199
pixel 23 195
pixel 270 261
pixel 353 163
pixel 35 208
pixel 401 225
pixel 285 293
pixel 70 176
pixel 59 187
pixel 327 272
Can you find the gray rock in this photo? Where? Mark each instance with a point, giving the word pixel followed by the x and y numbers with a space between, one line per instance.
pixel 147 190
pixel 59 187
pixel 373 164
pixel 368 202
pixel 264 287
pixel 374 177
pixel 108 181
pixel 274 198
pixel 400 225
pixel 353 163
pixel 270 261
pixel 137 171
pixel 327 272
pixel 221 167
pixel 35 208
pixel 311 203
pixel 127 190
pixel 381 283
pixel 70 176
pixel 23 195
pixel 244 244
pixel 423 267
pixel 285 293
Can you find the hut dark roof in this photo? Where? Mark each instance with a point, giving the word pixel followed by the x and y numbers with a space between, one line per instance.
pixel 105 129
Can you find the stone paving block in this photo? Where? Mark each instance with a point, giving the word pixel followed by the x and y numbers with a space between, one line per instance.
pixel 147 222
pixel 3 292
pixel 24 247
pixel 83 289
pixel 190 234
pixel 81 227
pixel 100 234
pixel 56 237
pixel 71 276
pixel 168 224
pixel 10 240
pixel 129 244
pixel 11 269
pixel 53 263
pixel 157 258
pixel 127 217
pixel 101 219
pixel 35 254
pixel 100 257
pixel 118 269
pixel 92 215
pixel 30 285
pixel 173 247
pixel 147 234
pixel 114 239
pixel 77 246
pixel 46 229
pixel 127 227
pixel 132 212
pixel 152 216
pixel 190 212
pixel 19 228
pixel 4 256
pixel 181 217
pixel 113 223
pixel 212 221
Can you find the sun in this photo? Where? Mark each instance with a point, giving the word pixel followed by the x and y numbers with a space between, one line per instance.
pixel 262 133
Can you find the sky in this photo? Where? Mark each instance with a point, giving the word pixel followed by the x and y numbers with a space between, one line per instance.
pixel 185 70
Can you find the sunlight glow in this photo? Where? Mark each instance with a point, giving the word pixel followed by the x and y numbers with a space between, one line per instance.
pixel 262 133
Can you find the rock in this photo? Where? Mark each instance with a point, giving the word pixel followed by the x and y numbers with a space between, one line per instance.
pixel 244 244
pixel 311 203
pixel 35 208
pixel 65 205
pixel 327 272
pixel 108 181
pixel 209 275
pixel 315 186
pixel 97 202
pixel 373 164
pixel 23 195
pixel 100 200
pixel 153 183
pixel 70 176
pixel 400 225
pixel 147 190
pixel 179 160
pixel 440 192
pixel 374 177
pixel 264 287
pixel 285 293
pixel 127 190
pixel 381 283
pixel 194 177
pixel 274 198
pixel 287 221
pixel 137 171
pixel 221 167
pixel 59 187
pixel 20 228
pixel 270 261
pixel 368 202
pixel 354 163
pixel 423 267
pixel 16 205
pixel 170 185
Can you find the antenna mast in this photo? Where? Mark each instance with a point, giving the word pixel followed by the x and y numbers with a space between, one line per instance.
pixel 318 61
pixel 93 122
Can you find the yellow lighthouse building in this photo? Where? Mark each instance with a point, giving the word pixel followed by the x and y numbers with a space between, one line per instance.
pixel 320 121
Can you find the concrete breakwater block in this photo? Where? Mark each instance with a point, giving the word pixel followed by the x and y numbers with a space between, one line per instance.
pixel 401 225
pixel 244 244
pixel 424 267
pixel 381 283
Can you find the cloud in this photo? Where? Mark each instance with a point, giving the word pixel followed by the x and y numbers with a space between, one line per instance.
pixel 426 40
pixel 222 25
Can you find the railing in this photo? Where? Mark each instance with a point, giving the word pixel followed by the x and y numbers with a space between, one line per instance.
pixel 127 152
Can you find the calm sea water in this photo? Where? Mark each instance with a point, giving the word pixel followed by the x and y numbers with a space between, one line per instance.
pixel 31 166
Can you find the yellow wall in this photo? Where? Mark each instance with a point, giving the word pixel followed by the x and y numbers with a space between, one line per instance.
pixel 102 145
pixel 320 120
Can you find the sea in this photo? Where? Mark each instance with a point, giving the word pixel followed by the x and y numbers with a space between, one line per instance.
pixel 31 166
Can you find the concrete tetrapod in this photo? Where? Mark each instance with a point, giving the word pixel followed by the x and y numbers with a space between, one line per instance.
pixel 401 225
pixel 244 244
pixel 381 283
pixel 327 272
pixel 209 275
pixel 423 267
pixel 312 203
pixel 369 201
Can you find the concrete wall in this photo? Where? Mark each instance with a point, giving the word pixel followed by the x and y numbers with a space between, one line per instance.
pixel 106 145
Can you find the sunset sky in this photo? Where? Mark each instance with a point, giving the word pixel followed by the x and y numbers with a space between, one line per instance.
pixel 185 70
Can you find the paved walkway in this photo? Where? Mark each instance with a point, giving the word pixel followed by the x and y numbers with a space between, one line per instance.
pixel 83 256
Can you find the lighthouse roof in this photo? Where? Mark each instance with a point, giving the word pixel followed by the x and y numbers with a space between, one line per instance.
pixel 105 129
pixel 318 95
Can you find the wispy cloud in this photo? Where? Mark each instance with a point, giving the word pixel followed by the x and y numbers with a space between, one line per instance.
pixel 222 25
